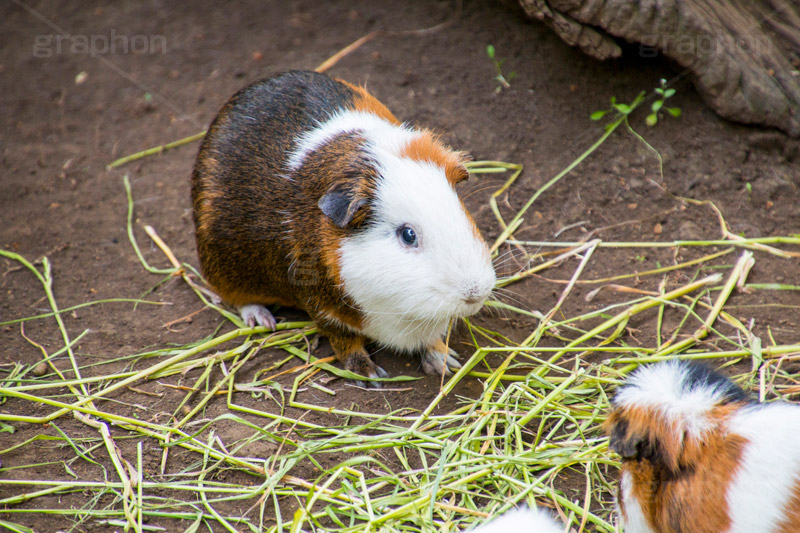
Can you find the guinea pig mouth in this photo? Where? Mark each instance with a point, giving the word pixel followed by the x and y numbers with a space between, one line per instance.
pixel 470 306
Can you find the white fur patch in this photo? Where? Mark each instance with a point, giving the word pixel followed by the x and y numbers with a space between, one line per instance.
pixel 389 136
pixel 635 521
pixel 522 521
pixel 769 468
pixel 663 387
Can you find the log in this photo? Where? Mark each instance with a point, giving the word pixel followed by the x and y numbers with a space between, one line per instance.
pixel 743 56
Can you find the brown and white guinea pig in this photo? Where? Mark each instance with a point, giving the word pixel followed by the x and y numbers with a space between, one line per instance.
pixel 700 456
pixel 308 192
pixel 522 520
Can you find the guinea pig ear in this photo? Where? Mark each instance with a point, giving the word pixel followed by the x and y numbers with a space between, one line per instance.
pixel 627 446
pixel 340 204
pixel 639 435
pixel 456 173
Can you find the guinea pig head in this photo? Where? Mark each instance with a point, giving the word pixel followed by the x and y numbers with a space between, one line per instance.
pixel 667 414
pixel 419 254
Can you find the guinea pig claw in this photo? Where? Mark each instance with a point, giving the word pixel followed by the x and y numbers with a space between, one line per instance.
pixel 362 365
pixel 257 315
pixel 437 363
pixel 378 373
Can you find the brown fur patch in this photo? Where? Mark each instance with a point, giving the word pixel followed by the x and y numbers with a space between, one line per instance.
pixel 206 193
pixel 345 346
pixel 361 184
pixel 438 346
pixel 352 320
pixel 238 298
pixel 791 520
pixel 364 101
pixel 425 146
pixel 679 482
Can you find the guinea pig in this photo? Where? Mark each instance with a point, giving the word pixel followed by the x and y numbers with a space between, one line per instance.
pixel 522 520
pixel 700 456
pixel 308 192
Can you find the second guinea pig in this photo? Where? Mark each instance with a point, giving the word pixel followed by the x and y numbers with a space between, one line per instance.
pixel 699 455
pixel 308 192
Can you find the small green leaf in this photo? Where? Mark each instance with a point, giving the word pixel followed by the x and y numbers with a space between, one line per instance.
pixel 613 100
pixel 659 91
pixel 651 119
pixel 656 107
pixel 69 470
pixel 669 92
pixel 490 51
pixel 5 428
pixel 674 111
pixel 623 108
pixel 597 115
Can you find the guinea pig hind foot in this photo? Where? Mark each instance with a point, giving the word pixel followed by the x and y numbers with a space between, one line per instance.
pixel 440 359
pixel 257 315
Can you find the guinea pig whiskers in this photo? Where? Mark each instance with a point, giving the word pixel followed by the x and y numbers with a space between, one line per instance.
pixel 513 265
pixel 488 187
pixel 503 258
pixel 416 325
pixel 507 258
pixel 507 295
pixel 498 311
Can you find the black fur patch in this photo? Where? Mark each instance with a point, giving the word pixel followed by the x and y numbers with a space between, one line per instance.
pixel 619 442
pixel 700 376
pixel 635 447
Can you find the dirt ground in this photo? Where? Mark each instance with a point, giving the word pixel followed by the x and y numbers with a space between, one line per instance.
pixel 68 110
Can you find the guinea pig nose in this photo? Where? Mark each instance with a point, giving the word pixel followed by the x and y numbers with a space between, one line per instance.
pixel 474 295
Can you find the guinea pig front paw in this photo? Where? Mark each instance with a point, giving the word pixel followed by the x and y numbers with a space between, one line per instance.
pixel 440 359
pixel 360 363
pixel 257 315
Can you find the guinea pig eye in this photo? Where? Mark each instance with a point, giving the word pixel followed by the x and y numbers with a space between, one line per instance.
pixel 407 236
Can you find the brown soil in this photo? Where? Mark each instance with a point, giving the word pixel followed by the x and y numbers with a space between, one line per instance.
pixel 58 200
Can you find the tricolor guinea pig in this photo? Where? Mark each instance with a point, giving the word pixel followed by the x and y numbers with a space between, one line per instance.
pixel 523 520
pixel 700 456
pixel 308 192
